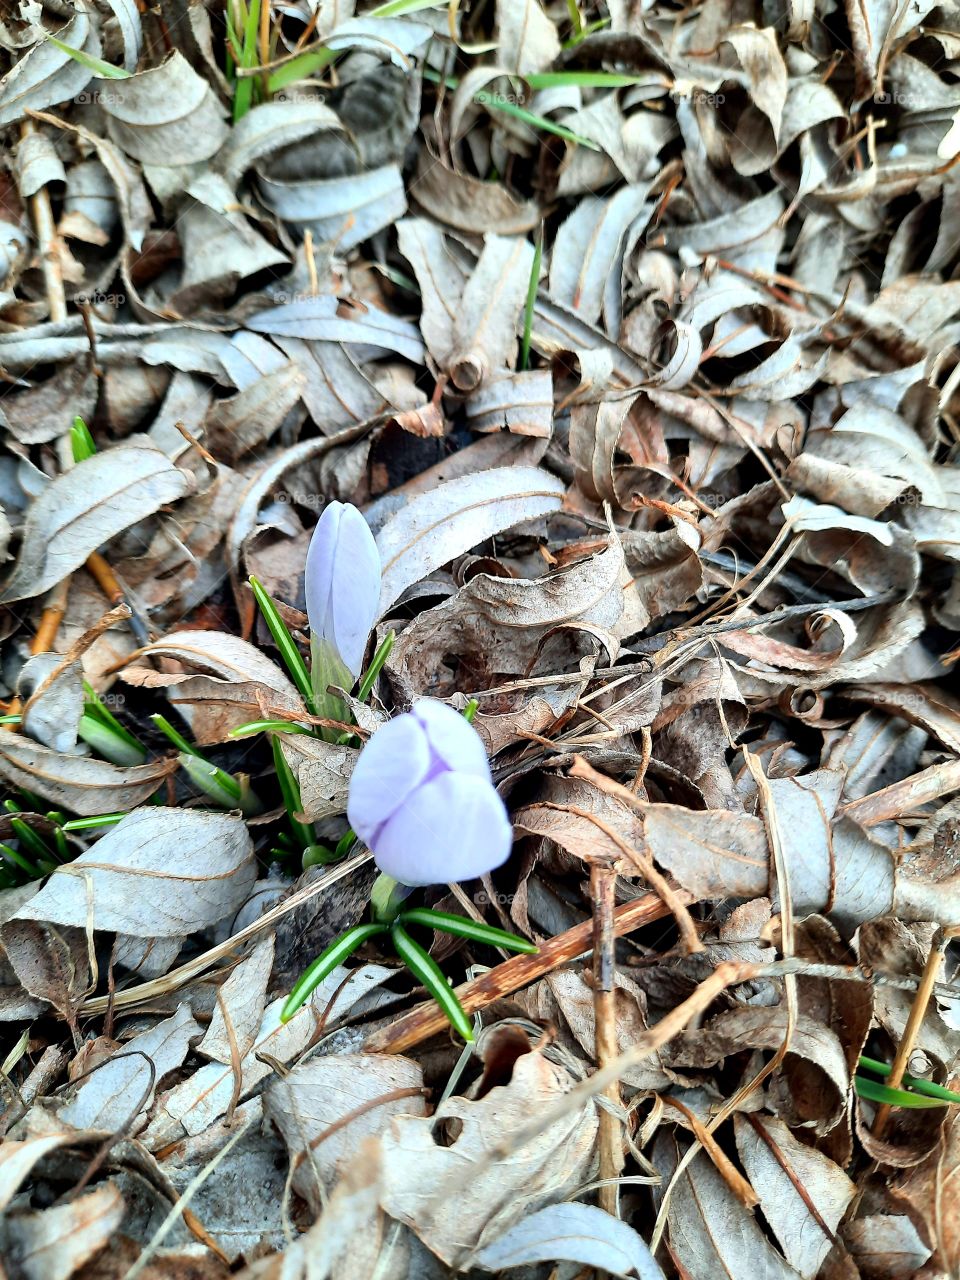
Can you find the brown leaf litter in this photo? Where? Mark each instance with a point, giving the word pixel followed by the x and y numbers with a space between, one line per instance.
pixel 631 328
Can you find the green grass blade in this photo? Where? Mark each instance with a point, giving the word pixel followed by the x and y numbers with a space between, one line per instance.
pixel 434 77
pixel 243 93
pixel 426 970
pixel 60 840
pixel 396 8
pixel 92 823
pixel 338 951
pixel 291 655
pixel 31 841
pixel 447 922
pixel 534 121
pixel 302 67
pixel 95 708
pixel 221 787
pixel 926 1087
pixel 267 726
pixel 20 861
pixel 346 843
pixel 588 30
pixel 289 789
pixel 178 740
pixel 531 302
pixel 318 855
pixel 375 667
pixel 113 746
pixel 99 68
pixel 874 1092
pixel 231 47
pixel 582 80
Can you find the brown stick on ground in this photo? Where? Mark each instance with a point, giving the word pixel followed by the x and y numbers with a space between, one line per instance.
pixel 55 606
pixel 905 795
pixel 610 1139
pixel 427 1019
pixel 918 1011
pixel 48 248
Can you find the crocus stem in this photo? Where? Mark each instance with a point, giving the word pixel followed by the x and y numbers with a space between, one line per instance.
pixel 326 668
pixel 387 897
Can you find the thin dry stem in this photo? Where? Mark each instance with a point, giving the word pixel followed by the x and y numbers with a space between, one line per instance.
pixel 46 634
pixel 918 1011
pixel 731 1175
pixel 610 1141
pixel 905 796
pixel 778 861
pixel 672 898
pixel 730 973
pixel 638 786
pixel 46 230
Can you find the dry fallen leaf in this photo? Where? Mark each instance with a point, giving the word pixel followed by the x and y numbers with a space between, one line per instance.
pixel 310 1105
pixel 631 330
pixel 416 1170
pixel 86 507
pixel 157 873
pixel 442 523
pixel 82 784
pixel 54 1243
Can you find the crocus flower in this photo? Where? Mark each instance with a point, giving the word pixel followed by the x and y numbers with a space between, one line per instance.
pixel 342 583
pixel 422 798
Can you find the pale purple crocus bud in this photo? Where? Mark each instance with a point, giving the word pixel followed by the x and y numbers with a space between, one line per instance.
pixel 342 584
pixel 422 798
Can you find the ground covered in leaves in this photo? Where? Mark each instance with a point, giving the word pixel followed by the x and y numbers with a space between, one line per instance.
pixel 630 328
